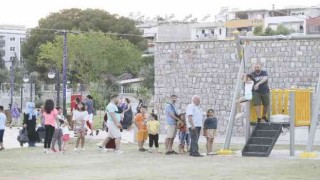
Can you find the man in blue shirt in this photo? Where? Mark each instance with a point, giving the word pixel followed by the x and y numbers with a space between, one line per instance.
pixel 171 124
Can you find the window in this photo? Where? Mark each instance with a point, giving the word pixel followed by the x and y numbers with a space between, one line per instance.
pixel 22 40
pixel 203 31
pixel 12 49
pixel 220 31
pixel 12 58
pixel 12 39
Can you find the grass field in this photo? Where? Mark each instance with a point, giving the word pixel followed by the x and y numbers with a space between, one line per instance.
pixel 31 163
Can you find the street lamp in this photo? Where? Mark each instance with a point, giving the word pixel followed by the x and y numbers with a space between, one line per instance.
pixel 52 74
pixel 26 79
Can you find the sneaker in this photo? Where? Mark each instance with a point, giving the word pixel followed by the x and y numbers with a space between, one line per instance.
pixel 91 134
pixel 2 149
pixel 150 150
pixel 168 153
pixel 76 149
pixel 173 152
pixel 259 120
pixel 53 150
pixel 97 132
pixel 45 151
pixel 119 152
pixel 141 150
pixel 265 119
pixel 83 149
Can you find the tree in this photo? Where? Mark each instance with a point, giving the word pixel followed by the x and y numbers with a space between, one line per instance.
pixel 147 72
pixel 282 30
pixel 83 20
pixel 92 56
pixel 258 31
pixel 269 31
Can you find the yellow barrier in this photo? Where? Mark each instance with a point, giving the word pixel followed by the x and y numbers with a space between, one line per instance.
pixel 280 105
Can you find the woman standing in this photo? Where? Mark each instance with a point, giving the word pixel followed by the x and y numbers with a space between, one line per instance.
pixel 50 121
pixel 127 119
pixel 30 122
pixel 79 124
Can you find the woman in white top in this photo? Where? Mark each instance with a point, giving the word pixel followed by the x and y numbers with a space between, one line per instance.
pixel 248 85
pixel 79 118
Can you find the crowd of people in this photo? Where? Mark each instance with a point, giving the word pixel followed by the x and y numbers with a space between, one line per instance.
pixel 119 115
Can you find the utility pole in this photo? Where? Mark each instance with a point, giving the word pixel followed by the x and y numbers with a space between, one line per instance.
pixel 64 72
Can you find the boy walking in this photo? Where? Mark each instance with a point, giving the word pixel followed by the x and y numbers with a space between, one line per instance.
pixel 3 120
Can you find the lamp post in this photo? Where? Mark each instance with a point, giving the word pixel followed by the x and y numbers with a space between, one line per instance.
pixel 26 79
pixel 52 74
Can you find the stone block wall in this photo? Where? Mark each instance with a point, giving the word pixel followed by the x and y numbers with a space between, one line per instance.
pixel 209 69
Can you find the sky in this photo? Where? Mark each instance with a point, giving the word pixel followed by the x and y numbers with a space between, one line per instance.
pixel 28 12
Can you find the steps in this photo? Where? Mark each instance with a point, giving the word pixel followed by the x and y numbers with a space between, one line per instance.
pixel 262 140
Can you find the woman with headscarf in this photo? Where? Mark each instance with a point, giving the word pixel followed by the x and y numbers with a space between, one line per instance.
pixel 29 122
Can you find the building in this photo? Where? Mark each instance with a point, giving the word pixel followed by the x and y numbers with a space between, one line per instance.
pixel 313 25
pixel 296 24
pixel 11 39
pixel 187 31
pixel 149 30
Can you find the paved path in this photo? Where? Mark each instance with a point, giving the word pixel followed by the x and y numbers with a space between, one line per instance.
pixel 10 137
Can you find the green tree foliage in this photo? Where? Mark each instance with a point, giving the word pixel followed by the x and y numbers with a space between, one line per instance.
pixel 83 20
pixel 147 72
pixel 258 31
pixel 281 30
pixel 92 56
pixel 3 70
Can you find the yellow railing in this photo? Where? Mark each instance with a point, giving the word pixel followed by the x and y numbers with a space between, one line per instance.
pixel 280 105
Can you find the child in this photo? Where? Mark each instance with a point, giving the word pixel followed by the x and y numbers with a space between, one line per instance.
pixel 153 127
pixel 79 119
pixel 141 124
pixel 183 133
pixel 247 79
pixel 66 135
pixel 210 130
pixel 3 119
pixel 57 135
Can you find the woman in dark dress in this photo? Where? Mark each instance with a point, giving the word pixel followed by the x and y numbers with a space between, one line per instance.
pixel 127 119
pixel 30 122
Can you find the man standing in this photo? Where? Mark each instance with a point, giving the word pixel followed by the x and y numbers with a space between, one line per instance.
pixel 89 119
pixel 113 123
pixel 260 92
pixel 194 123
pixel 141 123
pixel 171 124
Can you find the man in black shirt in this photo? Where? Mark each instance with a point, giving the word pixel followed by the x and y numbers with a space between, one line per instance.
pixel 260 92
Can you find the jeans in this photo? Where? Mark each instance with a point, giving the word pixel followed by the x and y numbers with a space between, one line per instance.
pixel 194 134
pixel 153 139
pixel 49 134
pixel 57 135
pixel 184 138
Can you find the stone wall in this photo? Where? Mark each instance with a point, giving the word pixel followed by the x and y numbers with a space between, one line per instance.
pixel 209 69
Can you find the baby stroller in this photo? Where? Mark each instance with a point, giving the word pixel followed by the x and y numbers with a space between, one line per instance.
pixel 23 137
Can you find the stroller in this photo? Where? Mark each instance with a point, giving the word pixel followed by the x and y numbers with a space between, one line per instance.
pixel 23 136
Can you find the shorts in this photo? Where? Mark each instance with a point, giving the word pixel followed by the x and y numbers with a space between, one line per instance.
pixel 89 118
pixel 65 137
pixel 259 98
pixel 142 135
pixel 171 131
pixel 113 131
pixel 248 96
pixel 1 135
pixel 211 133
